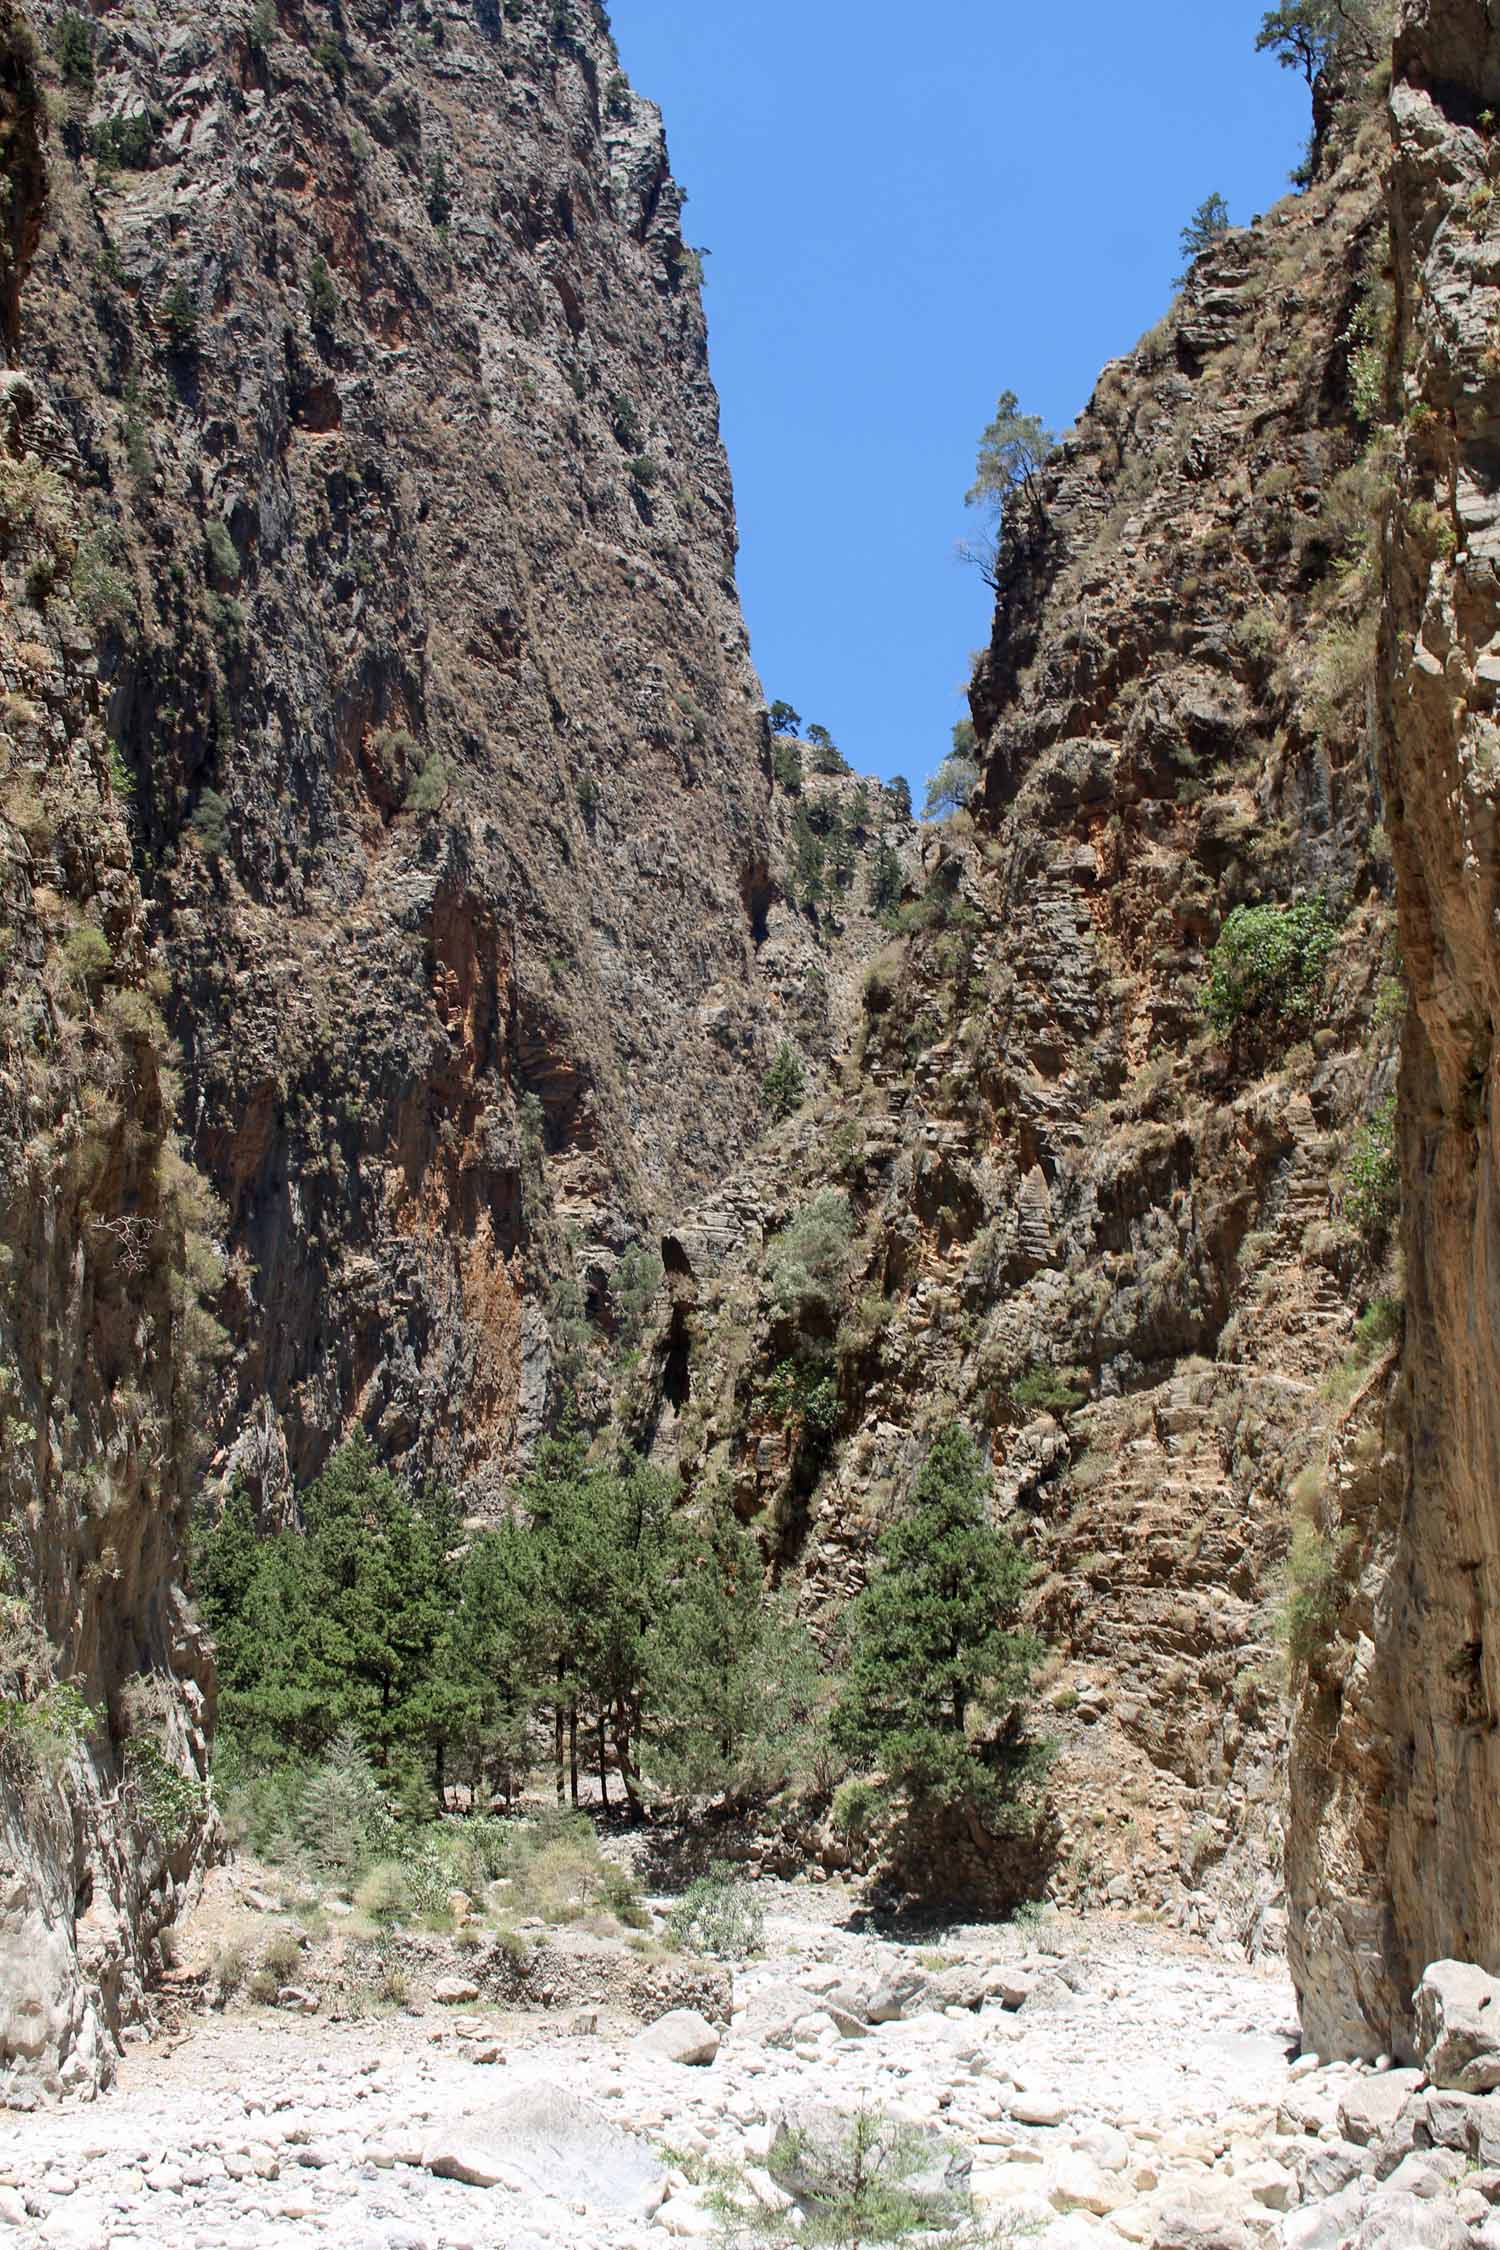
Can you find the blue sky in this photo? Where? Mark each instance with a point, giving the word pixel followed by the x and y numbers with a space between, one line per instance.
pixel 910 209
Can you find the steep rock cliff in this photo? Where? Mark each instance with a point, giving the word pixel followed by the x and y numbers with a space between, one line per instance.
pixel 379 330
pixel 107 1268
pixel 1395 1773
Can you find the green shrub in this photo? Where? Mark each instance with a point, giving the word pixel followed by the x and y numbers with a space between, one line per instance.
pixel 161 1794
pixel 1045 1390
pixel 263 27
pixel 718 1914
pixel 1268 961
pixel 786 763
pixel 439 197
pixel 125 141
pixel 784 1087
pixel 806 1263
pixel 866 2179
pixel 1310 1596
pixel 87 956
pixel 103 591
pixel 329 55
pixel 557 1873
pixel 427 790
pixel 210 824
pixel 40 1733
pixel 73 46
pixel 856 1811
pixel 643 471
pixel 223 555
pixel 1370 1175
pixel 178 314
pixel 322 294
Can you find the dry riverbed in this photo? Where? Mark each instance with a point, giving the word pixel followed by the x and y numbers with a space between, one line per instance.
pixel 1088 2083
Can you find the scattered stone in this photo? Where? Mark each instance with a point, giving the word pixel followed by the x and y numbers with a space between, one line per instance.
pixel 454 1992
pixel 682 2036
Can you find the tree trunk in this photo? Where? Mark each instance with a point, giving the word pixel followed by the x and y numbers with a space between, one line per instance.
pixel 557 1732
pixel 573 1753
pixel 603 1766
pixel 439 1776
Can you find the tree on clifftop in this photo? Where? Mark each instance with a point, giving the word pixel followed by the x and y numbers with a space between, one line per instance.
pixel 1208 222
pixel 1308 35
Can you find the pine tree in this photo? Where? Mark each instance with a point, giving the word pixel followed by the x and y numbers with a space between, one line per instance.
pixel 784 1086
pixel 1208 222
pixel 734 1677
pixel 938 1661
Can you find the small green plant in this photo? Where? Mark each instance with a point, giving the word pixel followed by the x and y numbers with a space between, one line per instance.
pixel 427 792
pixel 125 142
pixel 439 196
pixel 786 763
pixel 87 957
pixel 223 555
pixel 855 1812
pixel 1046 1390
pixel 1268 963
pixel 100 587
pixel 643 471
pixel 210 824
pixel 718 1914
pixel 617 101
pixel 784 1087
pixel 322 294
pixel 161 1794
pixel 262 27
pixel 329 55
pixel 39 1733
pixel 1207 224
pixel 178 314
pixel 1310 1593
pixel 73 46
pixel 1370 1175
pixel 865 2179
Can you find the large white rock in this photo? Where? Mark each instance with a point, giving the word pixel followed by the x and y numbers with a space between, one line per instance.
pixel 1408 2222
pixel 542 2139
pixel 1456 2016
pixel 1378 2111
pixel 681 2036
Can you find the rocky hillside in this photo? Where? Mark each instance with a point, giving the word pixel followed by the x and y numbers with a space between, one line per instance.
pixel 1145 1246
pixel 1395 1774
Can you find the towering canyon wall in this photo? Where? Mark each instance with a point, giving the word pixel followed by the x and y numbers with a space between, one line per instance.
pixel 386 348
pixel 1396 1772
pixel 384 825
pixel 1127 1246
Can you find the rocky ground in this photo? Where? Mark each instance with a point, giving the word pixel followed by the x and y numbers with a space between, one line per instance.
pixel 1097 2082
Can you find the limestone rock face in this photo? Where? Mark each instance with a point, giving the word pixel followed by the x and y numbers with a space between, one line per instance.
pixel 1395 1762
pixel 449 760
pixel 108 1269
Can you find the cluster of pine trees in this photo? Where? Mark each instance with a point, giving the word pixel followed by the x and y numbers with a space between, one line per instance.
pixel 609 1625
